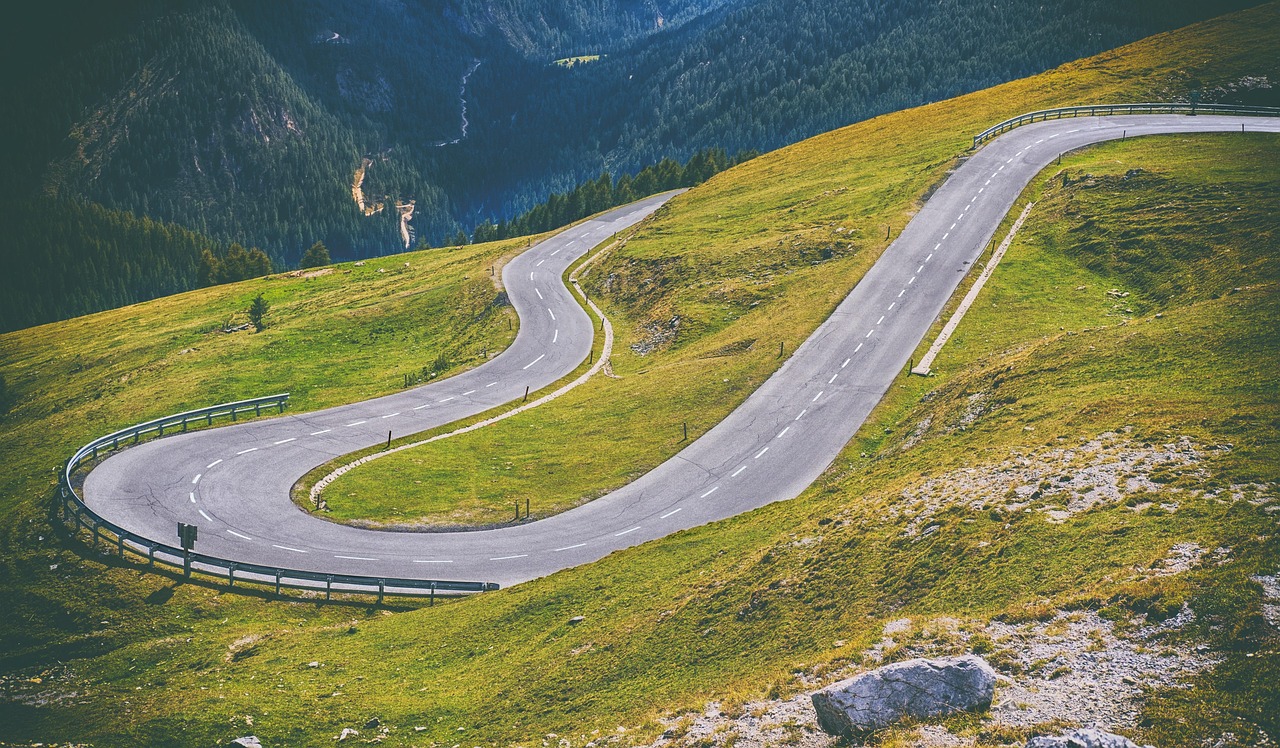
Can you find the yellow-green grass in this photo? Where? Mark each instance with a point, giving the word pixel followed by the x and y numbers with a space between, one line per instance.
pixel 749 607
pixel 752 260
pixel 333 335
pixel 731 611
pixel 568 62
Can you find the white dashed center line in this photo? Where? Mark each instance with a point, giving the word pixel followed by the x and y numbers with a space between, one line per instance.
pixel 708 493
pixel 240 535
pixel 869 333
pixel 321 431
pixel 420 407
pixel 468 392
pixel 855 350
pixel 737 472
pixel 391 415
pixel 286 441
pixel 624 532
pixel 760 453
pixel 936 247
pixel 197 478
pixel 891 306
pixel 215 462
pixel 668 514
pixel 287 548
pixel 806 410
pixel 901 292
pixel 536 360
pixel 492 384
pixel 539 263
pixel 846 363
pixel 833 377
pixel 913 280
pixel 814 400
pixel 539 293
pixel 553 314
pixel 247 451
pixel 782 433
pixel 508 558
pixel 356 558
pixel 192 496
pixel 930 257
pixel 432 560
pixel 556 336
pixel 355 423
pixel 920 269
pixel 202 514
pixel 568 547
pixel 447 399
pixel 880 320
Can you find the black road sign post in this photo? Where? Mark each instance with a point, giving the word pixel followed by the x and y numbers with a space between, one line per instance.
pixel 187 536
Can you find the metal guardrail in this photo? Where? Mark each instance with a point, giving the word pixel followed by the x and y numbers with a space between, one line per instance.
pixel 73 510
pixel 1098 110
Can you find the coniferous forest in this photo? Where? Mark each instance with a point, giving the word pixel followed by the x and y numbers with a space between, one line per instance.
pixel 156 145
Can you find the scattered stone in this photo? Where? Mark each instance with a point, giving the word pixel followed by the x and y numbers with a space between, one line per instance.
pixel 347 733
pixel 248 741
pixel 577 619
pixel 372 724
pixel 919 688
pixel 1087 737
pixel 313 663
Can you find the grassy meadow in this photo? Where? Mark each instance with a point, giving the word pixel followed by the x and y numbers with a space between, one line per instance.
pixel 766 604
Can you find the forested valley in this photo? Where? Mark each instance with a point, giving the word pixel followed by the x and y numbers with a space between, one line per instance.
pixel 149 132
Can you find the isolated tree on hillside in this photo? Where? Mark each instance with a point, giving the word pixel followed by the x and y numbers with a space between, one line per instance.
pixel 258 313
pixel 210 270
pixel 316 256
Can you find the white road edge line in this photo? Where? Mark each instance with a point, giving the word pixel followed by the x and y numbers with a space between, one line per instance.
pixel 240 535
pixel 202 514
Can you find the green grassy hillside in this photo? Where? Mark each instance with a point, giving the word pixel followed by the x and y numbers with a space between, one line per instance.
pixel 971 514
pixel 757 258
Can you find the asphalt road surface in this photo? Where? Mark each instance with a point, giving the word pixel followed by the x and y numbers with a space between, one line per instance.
pixel 233 482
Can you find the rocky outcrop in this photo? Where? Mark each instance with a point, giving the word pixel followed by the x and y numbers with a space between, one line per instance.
pixel 248 741
pixel 919 689
pixel 1084 738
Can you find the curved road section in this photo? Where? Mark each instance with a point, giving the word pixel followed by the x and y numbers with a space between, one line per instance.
pixel 234 482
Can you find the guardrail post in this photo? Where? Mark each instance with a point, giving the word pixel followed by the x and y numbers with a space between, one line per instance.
pixel 278 573
pixel 231 575
pixel 151 555
pixel 120 545
pixel 115 443
pixel 382 587
pixel 257 409
pixel 136 435
pixel 208 418
pixel 233 413
pixel 184 424
pixel 280 402
pixel 95 536
pixel 160 428
pixel 186 564
pixel 328 587
pixel 95 451
pixel 433 593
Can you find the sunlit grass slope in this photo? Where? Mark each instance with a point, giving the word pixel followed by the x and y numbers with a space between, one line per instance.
pixel 742 608
pixel 755 259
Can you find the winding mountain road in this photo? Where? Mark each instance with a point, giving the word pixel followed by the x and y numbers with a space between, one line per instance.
pixel 234 482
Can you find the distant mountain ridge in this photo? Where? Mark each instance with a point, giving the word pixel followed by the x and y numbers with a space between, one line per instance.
pixel 247 122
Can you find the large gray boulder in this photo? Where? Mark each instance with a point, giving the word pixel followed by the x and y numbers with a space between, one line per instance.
pixel 1088 737
pixel 916 688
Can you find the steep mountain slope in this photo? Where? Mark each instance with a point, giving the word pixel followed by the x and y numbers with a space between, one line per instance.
pixel 763 606
pixel 277 125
